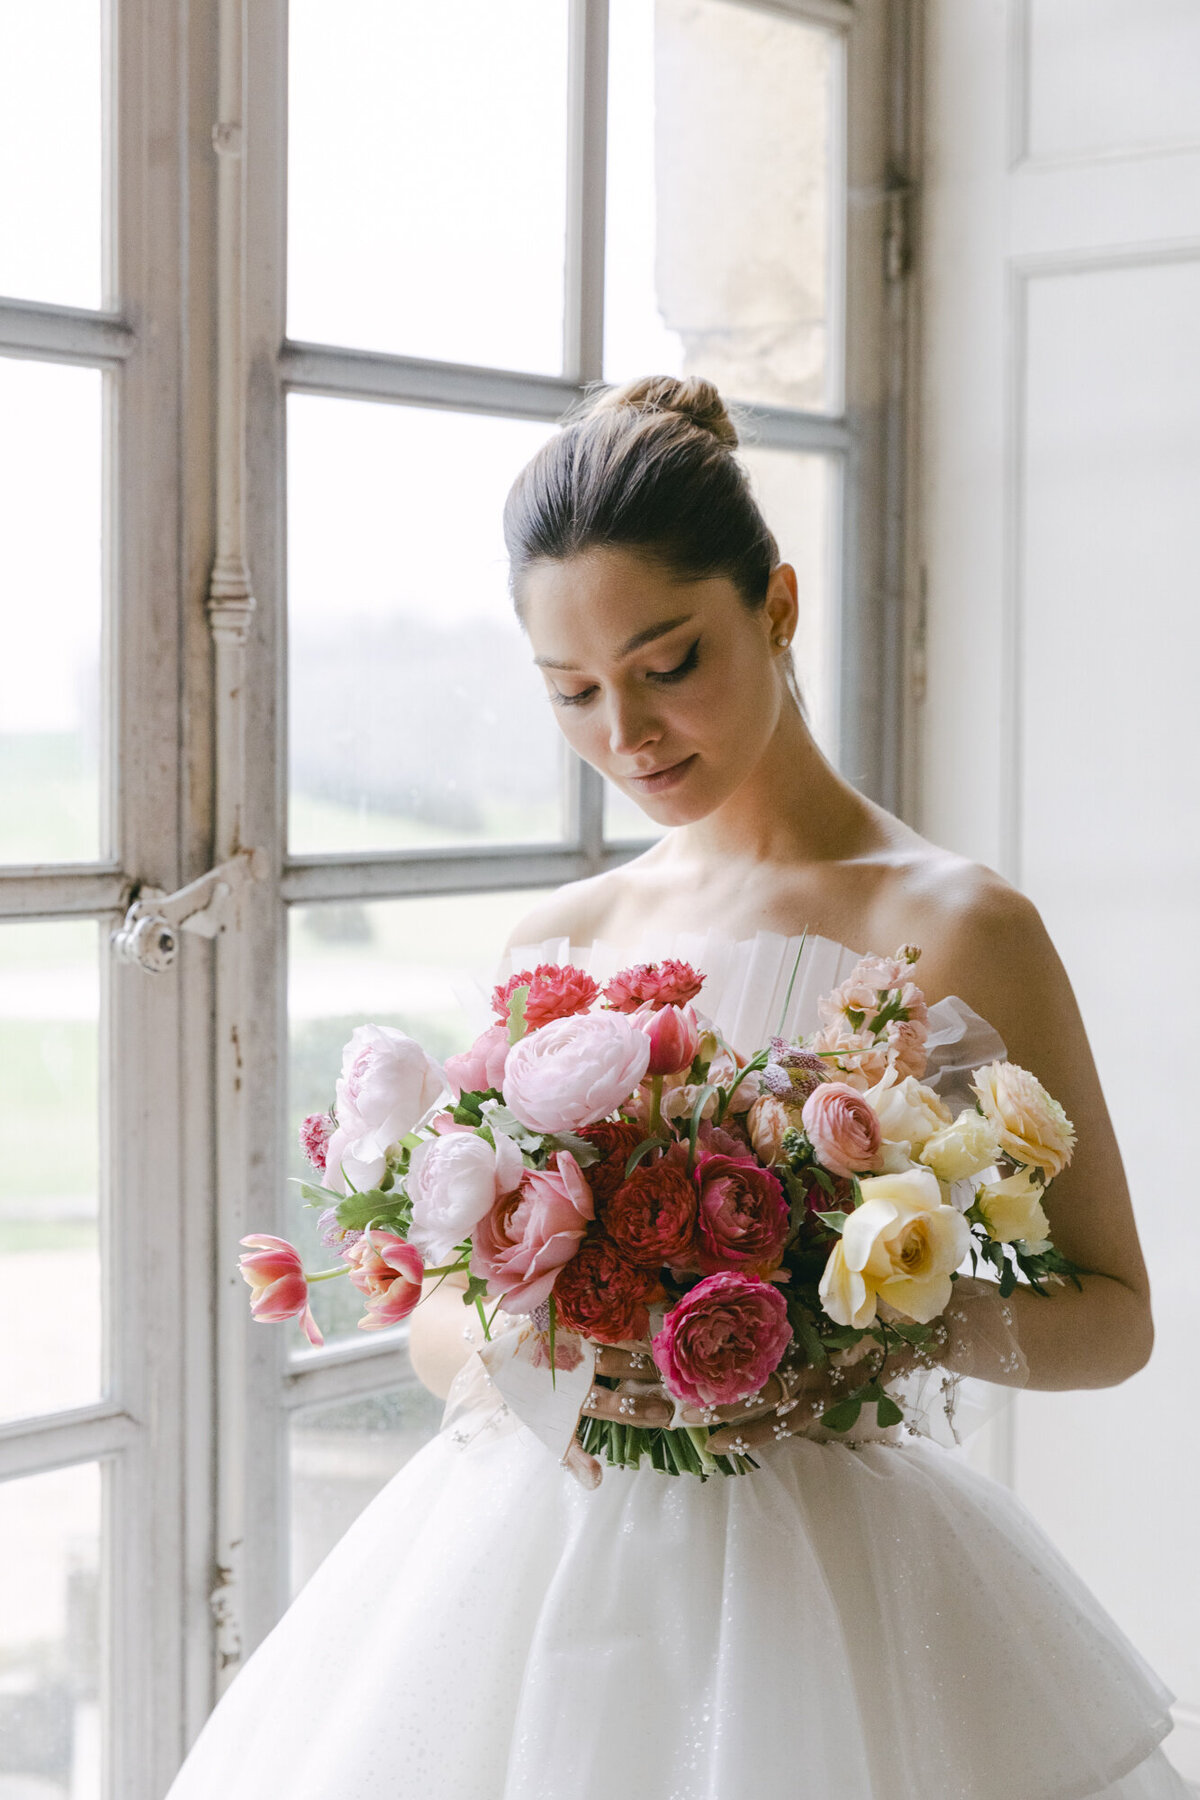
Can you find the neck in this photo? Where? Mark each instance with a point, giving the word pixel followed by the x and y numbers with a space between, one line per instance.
pixel 793 808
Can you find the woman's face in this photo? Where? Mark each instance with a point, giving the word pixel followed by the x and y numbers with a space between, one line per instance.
pixel 670 688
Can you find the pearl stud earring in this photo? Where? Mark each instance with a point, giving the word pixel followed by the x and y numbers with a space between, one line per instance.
pixel 783 642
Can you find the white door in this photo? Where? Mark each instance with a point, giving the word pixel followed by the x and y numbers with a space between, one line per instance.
pixel 1061 487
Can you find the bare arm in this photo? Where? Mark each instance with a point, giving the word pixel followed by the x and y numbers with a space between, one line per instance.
pixel 995 952
pixel 442 1333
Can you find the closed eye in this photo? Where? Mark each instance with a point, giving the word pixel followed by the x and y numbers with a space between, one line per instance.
pixel 662 676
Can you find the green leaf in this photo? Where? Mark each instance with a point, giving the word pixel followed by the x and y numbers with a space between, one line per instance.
pixel 887 1412
pixel 373 1207
pixel 516 1014
pixel 475 1289
pixel 585 1154
pixel 317 1196
pixel 702 1099
pixel 842 1416
pixel 836 1221
pixel 553 1328
pixel 643 1150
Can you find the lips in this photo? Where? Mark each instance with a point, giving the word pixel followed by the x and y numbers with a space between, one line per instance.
pixel 657 781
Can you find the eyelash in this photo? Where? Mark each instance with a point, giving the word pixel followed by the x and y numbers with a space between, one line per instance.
pixel 666 676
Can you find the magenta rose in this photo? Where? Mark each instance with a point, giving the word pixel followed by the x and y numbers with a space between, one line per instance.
pixel 482 1066
pixel 843 1129
pixel 523 1241
pixel 723 1339
pixel 743 1215
pixel 601 1295
pixel 574 1072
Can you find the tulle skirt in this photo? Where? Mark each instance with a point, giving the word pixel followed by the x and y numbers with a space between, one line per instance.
pixel 872 1623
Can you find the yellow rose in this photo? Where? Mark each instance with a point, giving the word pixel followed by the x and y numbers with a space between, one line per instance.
pixel 901 1245
pixel 966 1147
pixel 1012 1210
pixel 909 1112
pixel 1031 1126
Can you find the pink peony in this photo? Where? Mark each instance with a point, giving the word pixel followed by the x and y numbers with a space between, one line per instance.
pixel 480 1067
pixel 452 1181
pixel 315 1134
pixel 743 1215
pixel 556 991
pixel 674 1037
pixel 387 1085
pixel 278 1286
pixel 389 1272
pixel 723 1339
pixel 575 1072
pixel 843 1129
pixel 522 1243
pixel 669 983
pixel 602 1296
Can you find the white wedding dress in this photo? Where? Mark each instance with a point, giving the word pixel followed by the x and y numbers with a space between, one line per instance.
pixel 845 1623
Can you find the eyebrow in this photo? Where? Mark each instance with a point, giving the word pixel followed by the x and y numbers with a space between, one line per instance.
pixel 636 642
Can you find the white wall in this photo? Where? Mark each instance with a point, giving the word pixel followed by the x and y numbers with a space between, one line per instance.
pixel 1060 738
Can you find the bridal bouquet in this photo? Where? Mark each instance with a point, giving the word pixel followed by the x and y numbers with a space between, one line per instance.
pixel 602 1163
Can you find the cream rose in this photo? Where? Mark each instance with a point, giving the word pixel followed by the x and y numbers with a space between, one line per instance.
pixel 1031 1127
pixel 1012 1210
pixel 909 1112
pixel 901 1245
pixel 966 1147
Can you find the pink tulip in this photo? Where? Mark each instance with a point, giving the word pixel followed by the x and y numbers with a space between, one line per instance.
pixel 674 1037
pixel 279 1288
pixel 389 1272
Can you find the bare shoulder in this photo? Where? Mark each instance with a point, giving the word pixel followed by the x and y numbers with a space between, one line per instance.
pixel 579 911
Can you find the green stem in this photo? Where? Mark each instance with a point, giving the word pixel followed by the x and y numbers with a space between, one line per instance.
pixel 328 1274
pixel 656 1088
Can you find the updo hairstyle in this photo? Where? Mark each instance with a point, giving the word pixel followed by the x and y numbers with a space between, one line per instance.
pixel 647 467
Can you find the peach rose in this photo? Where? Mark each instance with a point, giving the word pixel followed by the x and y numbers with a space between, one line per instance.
pixel 522 1243
pixel 1031 1127
pixel 902 1245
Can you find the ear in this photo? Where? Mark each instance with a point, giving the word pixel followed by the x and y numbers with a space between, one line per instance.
pixel 782 607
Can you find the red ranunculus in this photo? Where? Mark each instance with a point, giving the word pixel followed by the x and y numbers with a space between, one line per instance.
pixel 556 991
pixel 723 1339
pixel 652 1216
pixel 743 1215
pixel 616 1141
pixel 669 983
pixel 601 1295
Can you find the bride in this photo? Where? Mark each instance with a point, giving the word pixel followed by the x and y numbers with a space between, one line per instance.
pixel 866 1620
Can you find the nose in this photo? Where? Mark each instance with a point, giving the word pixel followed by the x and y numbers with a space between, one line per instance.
pixel 631 724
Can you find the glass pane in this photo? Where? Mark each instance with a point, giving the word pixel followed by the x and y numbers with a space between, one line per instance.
pixel 427 178
pixel 50 1737
pixel 49 1173
pixel 797 492
pixel 417 716
pixel 381 962
pixel 50 487
pixel 341 1456
pixel 51 152
pixel 720 167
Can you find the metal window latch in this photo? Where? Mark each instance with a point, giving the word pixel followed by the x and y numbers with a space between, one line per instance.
pixel 149 933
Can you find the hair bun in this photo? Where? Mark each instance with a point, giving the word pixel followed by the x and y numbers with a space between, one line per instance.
pixel 688 396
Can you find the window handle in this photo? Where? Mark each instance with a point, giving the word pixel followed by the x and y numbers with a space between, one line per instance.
pixel 149 933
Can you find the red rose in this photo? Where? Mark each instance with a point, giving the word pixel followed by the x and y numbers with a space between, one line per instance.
pixel 652 1216
pixel 669 983
pixel 743 1215
pixel 556 991
pixel 601 1296
pixel 616 1142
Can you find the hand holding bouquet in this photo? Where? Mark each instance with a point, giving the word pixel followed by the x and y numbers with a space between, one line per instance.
pixel 772 1237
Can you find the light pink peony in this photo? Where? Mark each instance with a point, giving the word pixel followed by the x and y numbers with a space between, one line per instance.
pixel 453 1181
pixel 278 1286
pixel 389 1273
pixel 387 1085
pixel 575 1072
pixel 482 1066
pixel 843 1128
pixel 674 1035
pixel 524 1240
pixel 723 1339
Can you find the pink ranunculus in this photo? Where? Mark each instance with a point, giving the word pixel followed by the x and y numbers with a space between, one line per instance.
pixel 843 1129
pixel 387 1085
pixel 669 983
pixel 522 1243
pixel 723 1339
pixel 743 1215
pixel 574 1072
pixel 278 1286
pixel 452 1181
pixel 674 1034
pixel 556 991
pixel 315 1134
pixel 389 1273
pixel 482 1066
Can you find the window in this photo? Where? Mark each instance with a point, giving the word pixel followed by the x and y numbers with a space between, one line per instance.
pixel 261 395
